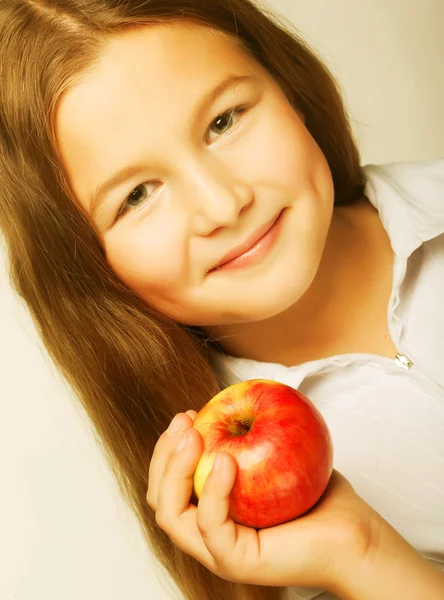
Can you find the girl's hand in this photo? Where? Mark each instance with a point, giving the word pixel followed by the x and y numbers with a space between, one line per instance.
pixel 315 550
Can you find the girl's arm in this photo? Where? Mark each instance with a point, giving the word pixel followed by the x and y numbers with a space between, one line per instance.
pixel 393 570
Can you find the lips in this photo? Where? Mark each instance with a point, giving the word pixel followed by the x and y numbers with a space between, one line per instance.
pixel 251 241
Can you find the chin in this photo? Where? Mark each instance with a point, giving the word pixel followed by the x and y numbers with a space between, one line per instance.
pixel 275 297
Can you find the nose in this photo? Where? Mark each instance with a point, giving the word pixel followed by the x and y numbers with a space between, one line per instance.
pixel 217 196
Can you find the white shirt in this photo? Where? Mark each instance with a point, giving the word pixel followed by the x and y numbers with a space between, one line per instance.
pixel 386 417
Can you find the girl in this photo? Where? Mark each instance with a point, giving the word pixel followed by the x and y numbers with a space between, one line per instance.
pixel 145 146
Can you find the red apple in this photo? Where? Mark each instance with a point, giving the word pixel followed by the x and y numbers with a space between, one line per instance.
pixel 281 445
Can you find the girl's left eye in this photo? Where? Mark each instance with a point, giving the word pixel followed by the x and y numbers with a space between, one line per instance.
pixel 226 121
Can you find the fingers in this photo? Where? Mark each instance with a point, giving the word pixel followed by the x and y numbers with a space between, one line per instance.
pixel 162 452
pixel 207 532
pixel 235 548
pixel 218 531
pixel 191 413
pixel 174 514
pixel 176 484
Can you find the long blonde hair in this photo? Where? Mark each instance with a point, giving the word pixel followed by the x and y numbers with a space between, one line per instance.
pixel 132 368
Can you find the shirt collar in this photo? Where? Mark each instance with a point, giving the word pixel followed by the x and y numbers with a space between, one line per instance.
pixel 409 197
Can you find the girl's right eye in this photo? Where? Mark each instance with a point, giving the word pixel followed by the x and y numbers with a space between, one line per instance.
pixel 135 196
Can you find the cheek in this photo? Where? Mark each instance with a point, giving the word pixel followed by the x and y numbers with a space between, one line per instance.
pixel 282 150
pixel 148 255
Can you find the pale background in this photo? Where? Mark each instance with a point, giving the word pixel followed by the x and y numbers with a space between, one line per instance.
pixel 64 531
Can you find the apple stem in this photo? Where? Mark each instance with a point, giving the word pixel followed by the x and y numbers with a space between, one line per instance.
pixel 239 427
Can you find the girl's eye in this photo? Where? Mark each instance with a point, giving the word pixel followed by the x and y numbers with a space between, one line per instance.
pixel 226 121
pixel 136 198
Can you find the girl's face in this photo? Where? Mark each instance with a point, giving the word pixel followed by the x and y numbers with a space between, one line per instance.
pixel 180 146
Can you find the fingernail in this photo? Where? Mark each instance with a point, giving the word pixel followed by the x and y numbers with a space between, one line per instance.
pixel 217 462
pixel 174 425
pixel 182 441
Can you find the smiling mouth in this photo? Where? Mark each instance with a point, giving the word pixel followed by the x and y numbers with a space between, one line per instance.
pixel 245 247
pixel 257 246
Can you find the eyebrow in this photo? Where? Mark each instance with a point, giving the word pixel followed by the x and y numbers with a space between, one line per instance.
pixel 125 173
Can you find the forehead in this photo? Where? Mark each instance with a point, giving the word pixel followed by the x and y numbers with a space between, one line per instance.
pixel 158 60
pixel 169 44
